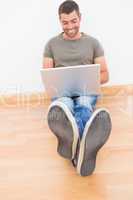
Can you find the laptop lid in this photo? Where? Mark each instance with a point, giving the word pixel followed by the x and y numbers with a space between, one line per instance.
pixel 72 80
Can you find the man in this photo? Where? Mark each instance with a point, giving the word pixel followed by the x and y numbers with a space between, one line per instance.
pixel 81 129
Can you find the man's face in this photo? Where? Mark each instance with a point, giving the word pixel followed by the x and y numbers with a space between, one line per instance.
pixel 70 24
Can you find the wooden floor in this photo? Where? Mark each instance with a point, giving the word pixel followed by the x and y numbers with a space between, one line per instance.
pixel 30 167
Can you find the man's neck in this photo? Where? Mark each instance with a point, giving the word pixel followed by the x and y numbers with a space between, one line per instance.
pixel 77 37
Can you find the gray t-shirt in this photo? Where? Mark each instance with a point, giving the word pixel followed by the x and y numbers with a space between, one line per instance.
pixel 73 52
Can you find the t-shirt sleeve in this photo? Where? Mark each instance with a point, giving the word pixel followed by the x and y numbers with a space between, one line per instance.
pixel 98 49
pixel 47 50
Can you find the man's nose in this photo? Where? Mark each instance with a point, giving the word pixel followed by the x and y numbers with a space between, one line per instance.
pixel 70 26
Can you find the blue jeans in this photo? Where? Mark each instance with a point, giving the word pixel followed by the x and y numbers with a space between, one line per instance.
pixel 81 107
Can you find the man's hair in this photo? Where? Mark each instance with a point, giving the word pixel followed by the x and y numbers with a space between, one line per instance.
pixel 68 6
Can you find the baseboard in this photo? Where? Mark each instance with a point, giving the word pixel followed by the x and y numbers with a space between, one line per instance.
pixel 120 90
pixel 40 98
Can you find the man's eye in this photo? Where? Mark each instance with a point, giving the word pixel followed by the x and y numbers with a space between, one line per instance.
pixel 65 23
pixel 74 21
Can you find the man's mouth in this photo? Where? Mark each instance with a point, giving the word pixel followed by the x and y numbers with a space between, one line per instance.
pixel 72 31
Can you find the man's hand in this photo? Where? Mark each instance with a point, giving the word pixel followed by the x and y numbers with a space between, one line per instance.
pixel 48 62
pixel 104 74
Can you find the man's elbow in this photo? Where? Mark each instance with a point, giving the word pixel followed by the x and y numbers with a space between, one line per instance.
pixel 107 78
pixel 104 77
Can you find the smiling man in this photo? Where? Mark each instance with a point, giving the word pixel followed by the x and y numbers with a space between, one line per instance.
pixel 81 129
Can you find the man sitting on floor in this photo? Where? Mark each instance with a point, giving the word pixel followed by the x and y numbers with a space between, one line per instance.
pixel 81 129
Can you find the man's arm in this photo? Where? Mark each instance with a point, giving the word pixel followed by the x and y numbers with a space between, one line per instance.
pixel 48 62
pixel 104 74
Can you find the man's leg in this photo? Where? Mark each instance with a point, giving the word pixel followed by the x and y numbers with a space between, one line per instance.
pixel 83 109
pixel 62 123
pixel 96 130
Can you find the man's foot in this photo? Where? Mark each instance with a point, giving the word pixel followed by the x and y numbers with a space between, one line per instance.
pixel 63 125
pixel 96 133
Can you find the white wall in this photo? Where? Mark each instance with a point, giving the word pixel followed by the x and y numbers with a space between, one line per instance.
pixel 25 26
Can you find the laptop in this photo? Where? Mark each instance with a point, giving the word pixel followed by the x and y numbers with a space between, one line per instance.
pixel 71 81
